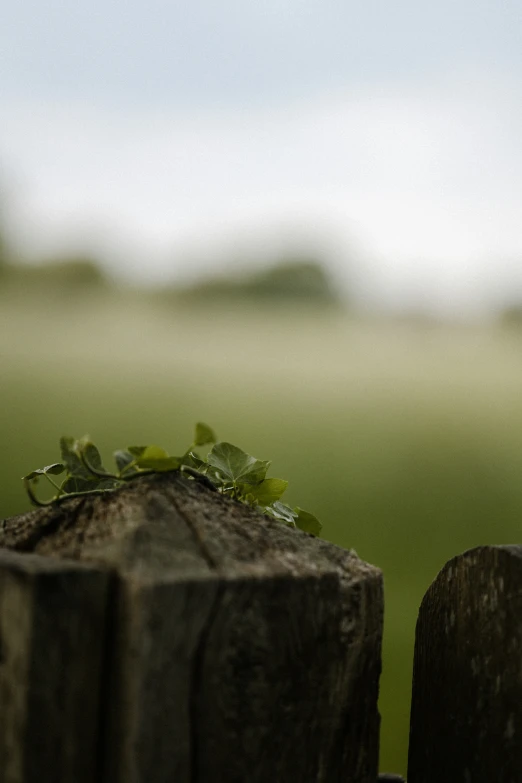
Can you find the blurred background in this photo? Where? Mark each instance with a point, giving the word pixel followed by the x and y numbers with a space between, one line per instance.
pixel 299 221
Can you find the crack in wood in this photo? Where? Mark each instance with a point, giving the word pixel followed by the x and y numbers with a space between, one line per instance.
pixel 62 518
pixel 196 682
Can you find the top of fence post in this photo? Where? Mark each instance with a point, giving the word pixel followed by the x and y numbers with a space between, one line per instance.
pixel 234 647
pixel 466 716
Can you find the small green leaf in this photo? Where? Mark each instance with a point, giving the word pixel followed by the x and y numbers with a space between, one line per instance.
pixel 265 493
pixel 235 465
pixel 55 469
pixel 307 522
pixel 192 460
pixel 154 452
pixel 159 465
pixel 156 458
pixel 282 512
pixel 123 459
pixel 70 457
pixel 136 451
pixel 78 484
pixel 204 434
pixel 90 459
pixel 90 453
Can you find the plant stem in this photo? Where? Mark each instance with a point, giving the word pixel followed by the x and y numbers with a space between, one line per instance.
pixel 58 488
pixel 95 472
pixel 32 497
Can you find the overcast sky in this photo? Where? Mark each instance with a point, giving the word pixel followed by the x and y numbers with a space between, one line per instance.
pixel 169 137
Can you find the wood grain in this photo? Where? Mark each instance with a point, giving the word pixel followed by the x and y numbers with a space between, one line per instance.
pixel 52 636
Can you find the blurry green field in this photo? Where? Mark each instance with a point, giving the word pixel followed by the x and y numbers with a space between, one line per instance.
pixel 406 442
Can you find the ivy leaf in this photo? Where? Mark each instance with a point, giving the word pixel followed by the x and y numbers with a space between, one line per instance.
pixel 282 512
pixel 159 465
pixel 214 475
pixel 70 457
pixel 72 449
pixel 235 465
pixel 307 522
pixel 79 484
pixel 192 460
pixel 123 459
pixel 154 452
pixel 265 493
pixel 204 434
pixel 157 459
pixel 55 469
pixel 90 453
pixel 228 468
pixel 136 451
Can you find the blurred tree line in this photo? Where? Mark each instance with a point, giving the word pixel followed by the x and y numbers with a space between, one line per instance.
pixel 289 280
pixel 298 280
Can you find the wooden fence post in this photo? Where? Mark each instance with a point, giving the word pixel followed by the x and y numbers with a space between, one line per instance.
pixel 52 628
pixel 227 646
pixel 466 716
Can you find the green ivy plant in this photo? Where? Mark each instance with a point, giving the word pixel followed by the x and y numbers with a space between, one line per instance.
pixel 226 469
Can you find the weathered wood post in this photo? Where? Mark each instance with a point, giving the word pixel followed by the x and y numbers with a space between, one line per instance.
pixel 163 632
pixel 466 716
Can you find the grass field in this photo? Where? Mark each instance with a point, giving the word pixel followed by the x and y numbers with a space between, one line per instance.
pixel 406 441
